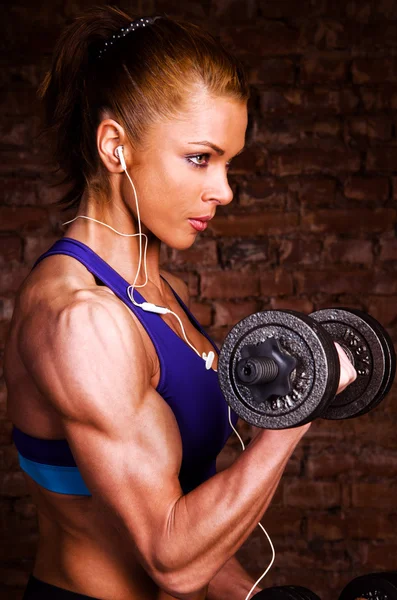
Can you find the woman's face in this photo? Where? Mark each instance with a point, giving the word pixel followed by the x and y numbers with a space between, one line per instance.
pixel 179 176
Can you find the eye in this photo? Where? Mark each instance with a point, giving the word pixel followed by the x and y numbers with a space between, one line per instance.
pixel 199 157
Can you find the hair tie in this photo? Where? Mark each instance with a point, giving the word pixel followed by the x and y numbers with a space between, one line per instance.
pixel 137 24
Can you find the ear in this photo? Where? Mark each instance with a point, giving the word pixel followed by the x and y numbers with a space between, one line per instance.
pixel 110 135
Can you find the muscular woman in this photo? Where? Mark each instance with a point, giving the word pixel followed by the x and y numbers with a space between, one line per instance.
pixel 117 420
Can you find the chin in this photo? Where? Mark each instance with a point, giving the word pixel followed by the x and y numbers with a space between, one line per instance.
pixel 184 243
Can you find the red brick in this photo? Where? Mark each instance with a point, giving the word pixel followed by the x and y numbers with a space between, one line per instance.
pixel 12 484
pixel 382 495
pixel 349 251
pixel 229 313
pixel 383 283
pixel 370 524
pixel 330 34
pixel 202 312
pixel 385 9
pixel 11 278
pixel 376 461
pixel 264 190
pixel 13 576
pixel 380 557
pixel 295 462
pixel 377 34
pixel 9 458
pixel 326 526
pixel 380 98
pixel 374 70
pixel 253 158
pixel 239 254
pixel 388 250
pixel 228 284
pixel 303 305
pixel 382 159
pixel 295 101
pixel 272 71
pixel 202 253
pixel 10 249
pixel 280 521
pixel 25 508
pixel 312 494
pixel 366 188
pixel 255 224
pixel 286 9
pixel 305 252
pixel 16 218
pixel 19 192
pixel 329 462
pixel 6 432
pixel 4 328
pixel 383 309
pixel 278 496
pixel 323 70
pixel 313 161
pixel 191 281
pixel 263 39
pixel 369 129
pixel 35 246
pixel 232 10
pixel 17 546
pixel 276 283
pixel 276 134
pixel 330 559
pixel 343 281
pixel 349 221
pixel 315 191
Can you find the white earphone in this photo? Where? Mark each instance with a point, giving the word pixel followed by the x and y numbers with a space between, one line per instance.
pixel 120 155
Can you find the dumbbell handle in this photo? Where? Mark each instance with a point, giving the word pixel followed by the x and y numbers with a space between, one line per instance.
pixel 256 370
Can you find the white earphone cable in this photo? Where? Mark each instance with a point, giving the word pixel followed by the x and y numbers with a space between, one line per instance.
pixel 162 310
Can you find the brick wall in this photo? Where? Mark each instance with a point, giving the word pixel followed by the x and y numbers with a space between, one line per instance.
pixel 313 224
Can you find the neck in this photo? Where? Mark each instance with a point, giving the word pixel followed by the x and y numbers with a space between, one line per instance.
pixel 119 251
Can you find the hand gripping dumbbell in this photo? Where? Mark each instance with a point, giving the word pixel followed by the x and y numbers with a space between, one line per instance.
pixel 286 592
pixel 280 369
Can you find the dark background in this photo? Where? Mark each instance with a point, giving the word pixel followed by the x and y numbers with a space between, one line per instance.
pixel 313 224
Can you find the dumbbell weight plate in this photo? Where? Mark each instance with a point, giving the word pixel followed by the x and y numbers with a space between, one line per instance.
pixel 390 361
pixel 314 380
pixel 370 350
pixel 304 592
pixel 373 586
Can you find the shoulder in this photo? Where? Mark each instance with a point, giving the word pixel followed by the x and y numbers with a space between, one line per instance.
pixel 178 284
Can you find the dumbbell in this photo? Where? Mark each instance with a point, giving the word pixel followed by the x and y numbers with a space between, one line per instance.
pixel 286 592
pixel 376 586
pixel 280 369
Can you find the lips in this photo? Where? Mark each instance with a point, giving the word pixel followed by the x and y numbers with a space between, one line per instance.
pixel 198 224
pixel 205 218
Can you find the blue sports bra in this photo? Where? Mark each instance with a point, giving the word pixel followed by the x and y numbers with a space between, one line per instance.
pixel 192 392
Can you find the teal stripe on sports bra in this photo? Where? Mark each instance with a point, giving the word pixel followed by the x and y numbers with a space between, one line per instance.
pixel 63 480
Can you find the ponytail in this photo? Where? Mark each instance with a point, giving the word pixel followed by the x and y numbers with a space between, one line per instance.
pixel 68 119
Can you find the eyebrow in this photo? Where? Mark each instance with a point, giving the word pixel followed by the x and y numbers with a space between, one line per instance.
pixel 214 147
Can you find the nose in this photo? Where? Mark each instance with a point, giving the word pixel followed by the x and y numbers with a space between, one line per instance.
pixel 220 192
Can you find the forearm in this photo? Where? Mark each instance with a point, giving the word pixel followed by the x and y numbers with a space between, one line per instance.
pixel 207 526
pixel 232 582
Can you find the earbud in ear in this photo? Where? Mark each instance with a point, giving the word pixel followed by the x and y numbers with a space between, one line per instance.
pixel 120 155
